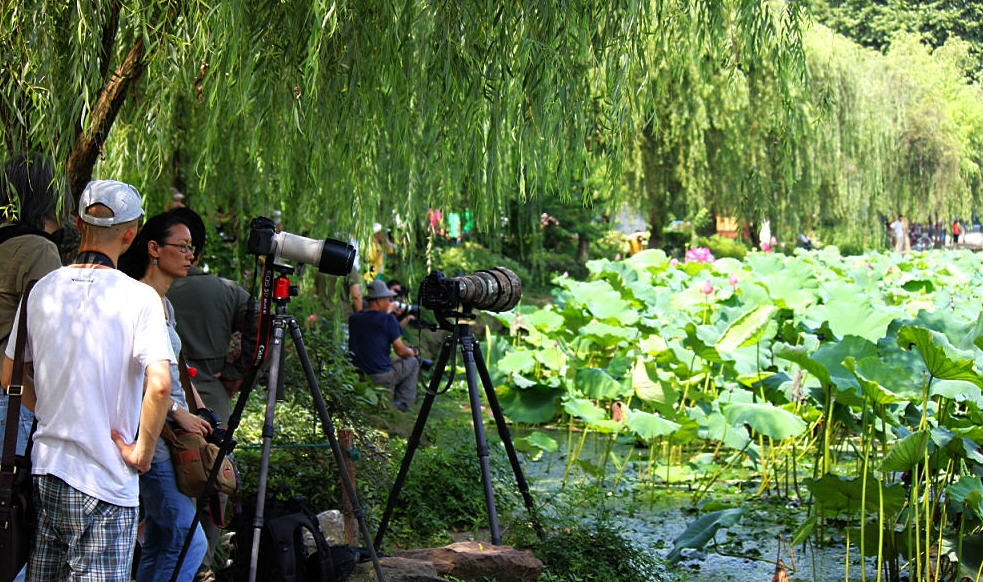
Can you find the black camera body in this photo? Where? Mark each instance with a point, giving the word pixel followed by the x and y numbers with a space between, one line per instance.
pixel 495 289
pixel 331 256
pixel 218 431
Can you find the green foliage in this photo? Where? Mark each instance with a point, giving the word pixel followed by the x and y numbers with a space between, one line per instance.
pixel 443 491
pixel 301 460
pixel 722 246
pixel 468 257
pixel 875 24
pixel 597 553
pixel 731 364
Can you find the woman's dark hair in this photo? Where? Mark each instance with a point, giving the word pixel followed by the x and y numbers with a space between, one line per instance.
pixel 136 259
pixel 29 179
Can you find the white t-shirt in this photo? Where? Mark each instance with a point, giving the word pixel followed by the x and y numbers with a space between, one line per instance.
pixel 898 228
pixel 91 335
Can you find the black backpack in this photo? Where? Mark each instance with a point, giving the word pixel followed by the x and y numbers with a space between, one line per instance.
pixel 283 556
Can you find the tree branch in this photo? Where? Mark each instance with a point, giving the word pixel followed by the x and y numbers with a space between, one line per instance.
pixel 88 145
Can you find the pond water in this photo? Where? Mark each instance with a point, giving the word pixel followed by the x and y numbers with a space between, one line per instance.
pixel 654 515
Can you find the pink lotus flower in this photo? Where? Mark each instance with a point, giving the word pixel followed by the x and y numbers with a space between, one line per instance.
pixel 673 262
pixel 617 257
pixel 699 255
pixel 311 318
pixel 766 246
pixel 733 280
pixel 707 288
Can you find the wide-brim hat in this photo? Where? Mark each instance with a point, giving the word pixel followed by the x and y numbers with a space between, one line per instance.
pixel 378 290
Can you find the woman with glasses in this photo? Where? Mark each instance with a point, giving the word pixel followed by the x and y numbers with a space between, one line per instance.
pixel 160 253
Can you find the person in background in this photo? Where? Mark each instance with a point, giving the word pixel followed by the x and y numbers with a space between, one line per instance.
pixel 27 252
pixel 898 234
pixel 161 253
pixel 102 334
pixel 468 224
pixel 373 334
pixel 454 227
pixel 402 295
pixel 212 313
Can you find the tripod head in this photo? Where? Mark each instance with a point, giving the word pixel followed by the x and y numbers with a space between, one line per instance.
pixel 444 317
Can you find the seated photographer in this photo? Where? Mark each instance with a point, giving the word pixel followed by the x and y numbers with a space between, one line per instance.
pixel 375 331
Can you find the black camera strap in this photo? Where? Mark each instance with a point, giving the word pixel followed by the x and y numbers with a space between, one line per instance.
pixel 94 258
pixel 265 299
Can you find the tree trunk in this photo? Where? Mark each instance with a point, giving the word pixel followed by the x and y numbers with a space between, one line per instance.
pixel 88 144
pixel 661 188
pixel 583 247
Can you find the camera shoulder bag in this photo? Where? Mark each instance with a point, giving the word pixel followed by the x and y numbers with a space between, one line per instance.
pixel 16 489
pixel 193 456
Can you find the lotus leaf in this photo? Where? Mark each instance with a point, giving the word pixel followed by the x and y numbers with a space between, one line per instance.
pixel 906 453
pixel 969 492
pixel 649 258
pixel 765 419
pixel 534 405
pixel 703 529
pixel 517 360
pixel 649 426
pixel 606 334
pixel 837 495
pixel 746 330
pixel 545 319
pixel 598 384
pixel 941 359
pixel 584 409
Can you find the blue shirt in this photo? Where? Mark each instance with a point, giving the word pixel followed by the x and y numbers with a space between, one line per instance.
pixel 371 334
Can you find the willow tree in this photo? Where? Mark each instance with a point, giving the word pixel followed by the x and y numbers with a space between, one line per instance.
pixel 718 110
pixel 326 110
pixel 346 111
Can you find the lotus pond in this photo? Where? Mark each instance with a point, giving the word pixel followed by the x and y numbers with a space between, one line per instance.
pixel 839 395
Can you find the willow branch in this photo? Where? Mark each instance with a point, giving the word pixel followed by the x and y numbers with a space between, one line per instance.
pixel 88 145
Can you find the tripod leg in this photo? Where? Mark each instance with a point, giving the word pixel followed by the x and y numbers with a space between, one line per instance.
pixel 276 349
pixel 329 431
pixel 414 441
pixel 505 435
pixel 467 350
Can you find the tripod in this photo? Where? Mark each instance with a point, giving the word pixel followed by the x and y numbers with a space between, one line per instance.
pixel 474 367
pixel 281 321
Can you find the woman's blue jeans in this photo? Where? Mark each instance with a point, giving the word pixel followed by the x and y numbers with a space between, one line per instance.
pixel 167 516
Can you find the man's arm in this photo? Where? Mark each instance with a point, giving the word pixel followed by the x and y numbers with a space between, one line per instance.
pixel 355 293
pixel 404 351
pixel 156 401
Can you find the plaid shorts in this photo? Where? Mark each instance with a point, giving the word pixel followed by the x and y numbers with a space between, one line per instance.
pixel 79 537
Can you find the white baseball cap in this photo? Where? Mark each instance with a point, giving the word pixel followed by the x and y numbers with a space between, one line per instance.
pixel 121 198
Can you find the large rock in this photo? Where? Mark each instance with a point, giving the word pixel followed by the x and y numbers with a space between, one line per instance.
pixel 397 569
pixel 332 526
pixel 477 560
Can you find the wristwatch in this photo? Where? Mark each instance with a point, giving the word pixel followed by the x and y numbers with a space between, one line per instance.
pixel 173 409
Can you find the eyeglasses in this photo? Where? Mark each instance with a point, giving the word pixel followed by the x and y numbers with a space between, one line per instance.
pixel 186 249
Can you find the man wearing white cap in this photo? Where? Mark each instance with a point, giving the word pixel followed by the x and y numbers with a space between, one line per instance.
pixel 94 336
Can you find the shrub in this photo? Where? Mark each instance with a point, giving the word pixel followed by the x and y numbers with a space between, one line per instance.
pixel 470 256
pixel 444 492
pixel 722 246
pixel 598 554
